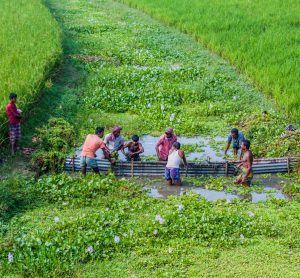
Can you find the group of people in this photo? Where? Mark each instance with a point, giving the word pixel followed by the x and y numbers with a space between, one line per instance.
pixel 167 147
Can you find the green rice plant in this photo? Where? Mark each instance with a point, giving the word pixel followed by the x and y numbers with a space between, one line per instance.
pixel 261 38
pixel 30 45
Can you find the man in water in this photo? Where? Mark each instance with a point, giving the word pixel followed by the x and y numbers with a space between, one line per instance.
pixel 135 148
pixel 114 142
pixel 236 137
pixel 14 122
pixel 172 170
pixel 92 143
pixel 165 143
pixel 246 165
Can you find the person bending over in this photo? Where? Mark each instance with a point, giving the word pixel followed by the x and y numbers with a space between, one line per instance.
pixel 235 137
pixel 135 148
pixel 172 170
pixel 114 142
pixel 92 143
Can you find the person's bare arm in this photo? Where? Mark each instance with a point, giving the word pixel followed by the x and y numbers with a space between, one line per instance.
pixel 241 154
pixel 239 165
pixel 17 114
pixel 156 148
pixel 124 147
pixel 182 155
pixel 227 148
pixel 141 149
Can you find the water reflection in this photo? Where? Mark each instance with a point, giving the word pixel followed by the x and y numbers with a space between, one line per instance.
pixel 159 190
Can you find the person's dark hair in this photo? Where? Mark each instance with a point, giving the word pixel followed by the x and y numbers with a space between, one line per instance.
pixel 135 138
pixel 235 131
pixel 176 145
pixel 99 130
pixel 247 144
pixel 12 95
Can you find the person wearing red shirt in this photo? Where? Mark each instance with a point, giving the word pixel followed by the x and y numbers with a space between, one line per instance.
pixel 165 143
pixel 14 122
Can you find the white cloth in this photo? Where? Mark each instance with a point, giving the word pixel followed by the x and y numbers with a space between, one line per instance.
pixel 174 160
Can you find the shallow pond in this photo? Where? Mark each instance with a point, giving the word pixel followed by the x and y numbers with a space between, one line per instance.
pixel 158 189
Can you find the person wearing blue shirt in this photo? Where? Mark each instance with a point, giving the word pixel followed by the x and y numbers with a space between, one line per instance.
pixel 235 138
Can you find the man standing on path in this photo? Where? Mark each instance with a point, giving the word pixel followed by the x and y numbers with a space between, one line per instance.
pixel 165 143
pixel 235 137
pixel 91 144
pixel 115 142
pixel 172 170
pixel 246 165
pixel 14 122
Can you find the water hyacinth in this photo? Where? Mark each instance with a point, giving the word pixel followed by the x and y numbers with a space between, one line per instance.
pixel 180 206
pixel 162 107
pixel 117 239
pixel 56 219
pixel 155 232
pixel 172 117
pixel 10 257
pixel 250 213
pixel 90 249
pixel 242 236
pixel 159 219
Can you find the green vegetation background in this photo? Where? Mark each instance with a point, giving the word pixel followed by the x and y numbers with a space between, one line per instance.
pixel 261 38
pixel 63 225
pixel 30 45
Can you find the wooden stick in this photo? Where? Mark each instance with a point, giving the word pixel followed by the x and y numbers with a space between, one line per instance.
pixel 73 164
pixel 132 167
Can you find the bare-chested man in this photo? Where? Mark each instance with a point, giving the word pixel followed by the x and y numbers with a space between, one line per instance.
pixel 246 166
pixel 135 148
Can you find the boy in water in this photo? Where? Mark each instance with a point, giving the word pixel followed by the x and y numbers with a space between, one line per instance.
pixel 246 166
pixel 135 148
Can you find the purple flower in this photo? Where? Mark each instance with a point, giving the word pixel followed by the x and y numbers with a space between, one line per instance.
pixel 117 239
pixel 90 249
pixel 10 257
pixel 159 219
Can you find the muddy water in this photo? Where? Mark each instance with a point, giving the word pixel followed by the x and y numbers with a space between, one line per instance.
pixel 211 148
pixel 158 189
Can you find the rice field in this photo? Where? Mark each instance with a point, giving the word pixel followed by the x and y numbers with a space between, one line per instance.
pixel 261 38
pixel 30 44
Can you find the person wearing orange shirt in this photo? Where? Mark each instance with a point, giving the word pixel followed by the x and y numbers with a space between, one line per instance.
pixel 92 143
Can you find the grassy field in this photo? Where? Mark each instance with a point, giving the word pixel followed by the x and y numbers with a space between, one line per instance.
pixel 130 70
pixel 107 227
pixel 122 67
pixel 30 45
pixel 261 38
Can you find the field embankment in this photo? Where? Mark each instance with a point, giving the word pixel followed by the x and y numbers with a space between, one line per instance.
pixel 261 38
pixel 30 45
